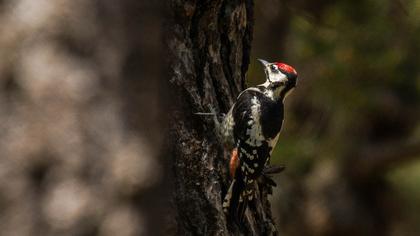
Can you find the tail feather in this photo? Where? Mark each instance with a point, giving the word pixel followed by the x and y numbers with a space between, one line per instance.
pixel 234 204
pixel 241 209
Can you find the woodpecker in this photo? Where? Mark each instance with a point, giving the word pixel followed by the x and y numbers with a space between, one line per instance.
pixel 252 127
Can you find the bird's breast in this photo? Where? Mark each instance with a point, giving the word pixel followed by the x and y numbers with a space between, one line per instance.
pixel 271 119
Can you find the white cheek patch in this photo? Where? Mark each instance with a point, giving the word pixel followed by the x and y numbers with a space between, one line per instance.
pixel 277 77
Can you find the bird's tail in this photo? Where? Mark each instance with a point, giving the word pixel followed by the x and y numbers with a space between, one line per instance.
pixel 235 202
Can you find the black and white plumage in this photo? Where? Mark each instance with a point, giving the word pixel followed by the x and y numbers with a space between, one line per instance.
pixel 252 127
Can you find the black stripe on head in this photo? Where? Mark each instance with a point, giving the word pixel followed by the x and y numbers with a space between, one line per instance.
pixel 290 84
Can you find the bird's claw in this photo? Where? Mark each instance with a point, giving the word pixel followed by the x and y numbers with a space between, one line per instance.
pixel 267 179
pixel 274 169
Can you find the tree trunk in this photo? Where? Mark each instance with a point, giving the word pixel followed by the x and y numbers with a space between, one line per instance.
pixel 209 46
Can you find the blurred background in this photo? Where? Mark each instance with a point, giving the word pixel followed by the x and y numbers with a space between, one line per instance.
pixel 351 140
pixel 80 117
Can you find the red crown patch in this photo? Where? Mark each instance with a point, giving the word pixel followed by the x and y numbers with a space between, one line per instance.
pixel 286 68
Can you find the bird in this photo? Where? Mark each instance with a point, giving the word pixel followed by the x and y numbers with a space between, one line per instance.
pixel 252 127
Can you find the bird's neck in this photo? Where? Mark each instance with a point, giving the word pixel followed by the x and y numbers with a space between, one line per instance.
pixel 275 93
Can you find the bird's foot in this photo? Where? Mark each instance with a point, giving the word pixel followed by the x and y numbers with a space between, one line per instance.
pixel 267 179
pixel 273 169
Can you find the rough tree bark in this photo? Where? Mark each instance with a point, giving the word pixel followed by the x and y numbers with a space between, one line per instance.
pixel 209 46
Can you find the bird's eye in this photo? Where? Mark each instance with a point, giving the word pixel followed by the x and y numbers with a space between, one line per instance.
pixel 273 68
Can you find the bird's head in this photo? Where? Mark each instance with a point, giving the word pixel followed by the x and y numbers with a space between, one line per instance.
pixel 280 77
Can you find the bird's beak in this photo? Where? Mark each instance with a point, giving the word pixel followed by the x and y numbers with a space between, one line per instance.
pixel 265 63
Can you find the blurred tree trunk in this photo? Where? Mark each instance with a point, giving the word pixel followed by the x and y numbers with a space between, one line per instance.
pixel 209 46
pixel 78 154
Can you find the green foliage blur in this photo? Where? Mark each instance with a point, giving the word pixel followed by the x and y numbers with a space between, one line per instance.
pixel 359 86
